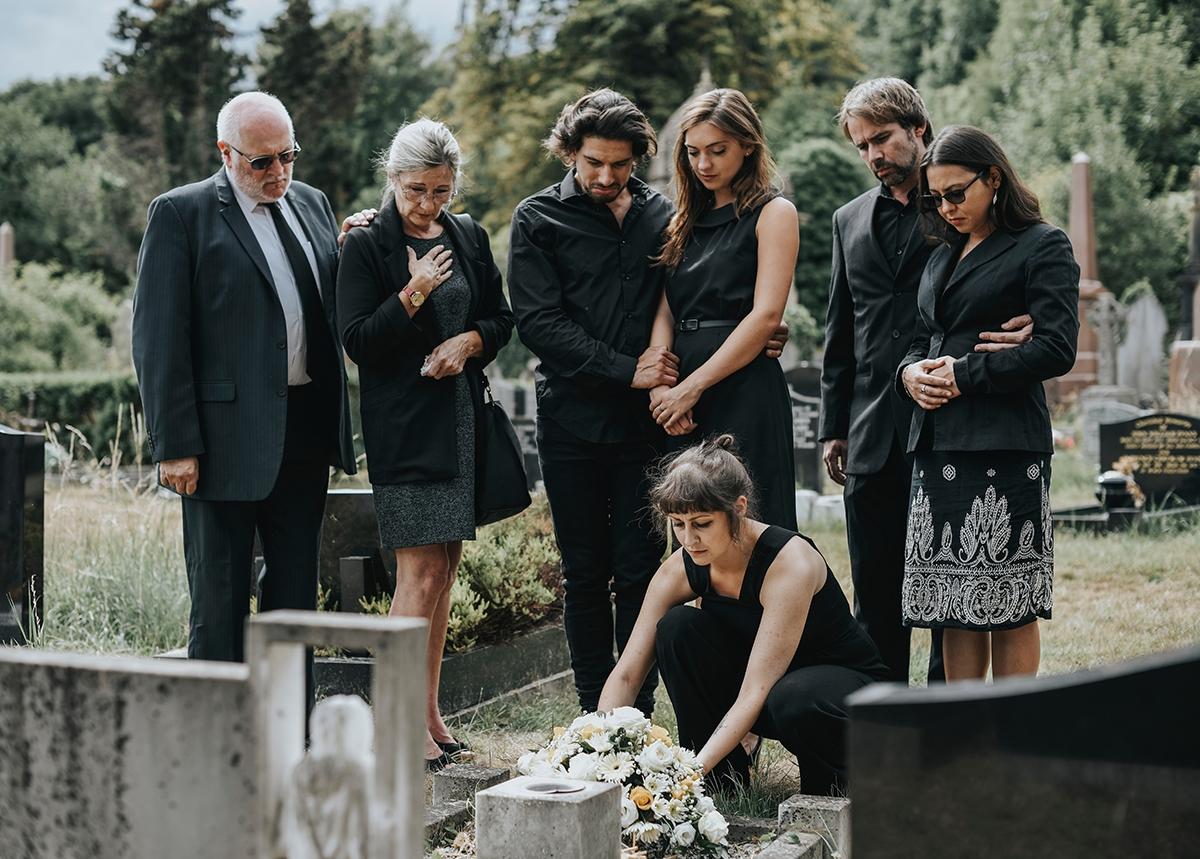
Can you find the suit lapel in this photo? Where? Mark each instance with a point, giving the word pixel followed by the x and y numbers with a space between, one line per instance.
pixel 990 248
pixel 236 219
pixel 932 280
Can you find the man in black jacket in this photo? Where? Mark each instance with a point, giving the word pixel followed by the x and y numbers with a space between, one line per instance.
pixel 241 374
pixel 879 252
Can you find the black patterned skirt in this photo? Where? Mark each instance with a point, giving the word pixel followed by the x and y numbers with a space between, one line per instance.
pixel 980 548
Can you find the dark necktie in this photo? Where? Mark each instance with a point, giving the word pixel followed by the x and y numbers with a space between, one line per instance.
pixel 316 330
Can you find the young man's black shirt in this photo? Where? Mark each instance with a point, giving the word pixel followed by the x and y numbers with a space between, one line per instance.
pixel 585 293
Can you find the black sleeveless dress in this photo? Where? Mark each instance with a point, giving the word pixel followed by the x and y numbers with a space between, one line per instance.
pixel 703 654
pixel 713 288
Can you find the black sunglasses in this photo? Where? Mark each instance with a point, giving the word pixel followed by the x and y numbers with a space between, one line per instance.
pixel 262 162
pixel 956 196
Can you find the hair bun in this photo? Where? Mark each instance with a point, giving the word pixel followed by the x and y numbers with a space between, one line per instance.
pixel 725 441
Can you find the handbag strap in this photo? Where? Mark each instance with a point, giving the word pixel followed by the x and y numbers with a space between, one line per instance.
pixel 488 396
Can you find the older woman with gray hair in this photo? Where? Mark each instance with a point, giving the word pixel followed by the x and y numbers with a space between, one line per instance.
pixel 421 311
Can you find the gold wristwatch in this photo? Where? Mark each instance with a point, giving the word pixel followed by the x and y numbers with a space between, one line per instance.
pixel 415 297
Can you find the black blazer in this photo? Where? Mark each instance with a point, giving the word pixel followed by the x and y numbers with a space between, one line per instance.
pixel 1003 406
pixel 869 326
pixel 408 420
pixel 209 341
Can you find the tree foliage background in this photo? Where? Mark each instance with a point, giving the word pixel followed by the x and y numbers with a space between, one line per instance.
pixel 81 158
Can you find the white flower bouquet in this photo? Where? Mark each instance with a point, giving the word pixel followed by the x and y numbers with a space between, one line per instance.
pixel 663 807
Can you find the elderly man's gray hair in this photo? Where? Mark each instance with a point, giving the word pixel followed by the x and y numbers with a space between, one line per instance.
pixel 237 109
pixel 422 145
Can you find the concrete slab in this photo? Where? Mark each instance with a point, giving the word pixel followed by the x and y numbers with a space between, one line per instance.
pixel 531 817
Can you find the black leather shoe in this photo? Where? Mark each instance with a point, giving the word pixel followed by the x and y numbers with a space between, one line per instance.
pixel 438 764
pixel 457 751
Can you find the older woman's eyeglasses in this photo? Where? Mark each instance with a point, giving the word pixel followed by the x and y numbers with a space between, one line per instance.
pixel 415 194
pixel 262 162
pixel 955 195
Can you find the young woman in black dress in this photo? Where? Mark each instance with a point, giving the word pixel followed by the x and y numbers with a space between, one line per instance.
pixel 773 648
pixel 730 251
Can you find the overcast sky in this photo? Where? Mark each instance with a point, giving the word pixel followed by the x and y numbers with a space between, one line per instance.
pixel 43 39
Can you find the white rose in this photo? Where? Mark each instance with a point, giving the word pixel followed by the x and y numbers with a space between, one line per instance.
pixel 629 812
pixel 595 721
pixel 584 767
pixel 629 718
pixel 684 835
pixel 704 805
pixel 713 826
pixel 656 757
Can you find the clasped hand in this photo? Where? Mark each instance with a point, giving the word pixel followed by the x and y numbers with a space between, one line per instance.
pixel 931 382
pixel 450 356
pixel 672 407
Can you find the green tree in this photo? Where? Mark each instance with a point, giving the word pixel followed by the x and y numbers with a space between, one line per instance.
pixel 175 67
pixel 74 103
pixel 53 321
pixel 824 174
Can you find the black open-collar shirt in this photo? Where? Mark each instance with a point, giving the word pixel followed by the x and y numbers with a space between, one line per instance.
pixel 893 223
pixel 585 293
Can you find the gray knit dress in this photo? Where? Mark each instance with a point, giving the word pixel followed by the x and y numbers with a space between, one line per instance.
pixel 421 513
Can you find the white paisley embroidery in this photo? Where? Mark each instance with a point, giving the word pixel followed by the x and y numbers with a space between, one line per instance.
pixel 980 584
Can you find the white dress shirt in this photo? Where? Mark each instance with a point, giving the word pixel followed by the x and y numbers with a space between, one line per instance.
pixel 263 225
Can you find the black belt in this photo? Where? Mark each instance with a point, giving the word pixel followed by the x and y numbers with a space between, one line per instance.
pixel 697 324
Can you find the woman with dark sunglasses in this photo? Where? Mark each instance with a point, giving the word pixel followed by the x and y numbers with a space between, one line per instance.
pixel 980 549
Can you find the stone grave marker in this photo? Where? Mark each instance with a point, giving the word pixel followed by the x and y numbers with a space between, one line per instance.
pixel 804 388
pixel 1101 404
pixel 1163 451
pixel 548 818
pixel 22 493
pixel 1141 359
pixel 1101 763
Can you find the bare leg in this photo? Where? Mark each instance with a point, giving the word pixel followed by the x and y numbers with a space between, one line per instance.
pixel 422 581
pixel 1016 652
pixel 965 654
pixel 437 644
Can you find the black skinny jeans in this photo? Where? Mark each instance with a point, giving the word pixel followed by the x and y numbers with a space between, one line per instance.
pixel 610 548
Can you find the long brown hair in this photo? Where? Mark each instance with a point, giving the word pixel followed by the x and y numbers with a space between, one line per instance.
pixel 1016 207
pixel 730 111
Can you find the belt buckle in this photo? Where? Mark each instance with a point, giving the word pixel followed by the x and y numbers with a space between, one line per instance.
pixel 689 325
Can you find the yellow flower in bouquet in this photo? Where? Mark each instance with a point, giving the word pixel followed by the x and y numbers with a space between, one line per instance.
pixel 641 797
pixel 659 733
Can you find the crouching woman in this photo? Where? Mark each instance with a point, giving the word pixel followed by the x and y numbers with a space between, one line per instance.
pixel 772 650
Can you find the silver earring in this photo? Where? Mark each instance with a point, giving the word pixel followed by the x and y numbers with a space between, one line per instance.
pixel 995 196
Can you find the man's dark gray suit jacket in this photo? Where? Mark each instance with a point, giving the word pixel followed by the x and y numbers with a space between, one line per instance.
pixel 870 323
pixel 209 339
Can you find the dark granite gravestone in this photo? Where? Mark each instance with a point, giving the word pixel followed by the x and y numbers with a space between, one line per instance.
pixel 1163 450
pixel 526 429
pixel 22 492
pixel 1101 763
pixel 804 386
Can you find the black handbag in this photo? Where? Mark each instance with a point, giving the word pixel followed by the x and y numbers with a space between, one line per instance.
pixel 501 486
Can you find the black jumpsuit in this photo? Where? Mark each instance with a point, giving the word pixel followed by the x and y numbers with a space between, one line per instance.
pixel 702 658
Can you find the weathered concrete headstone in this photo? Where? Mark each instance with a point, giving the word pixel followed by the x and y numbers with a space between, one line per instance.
pixel 804 388
pixel 22 501
pixel 463 781
pixel 1141 357
pixel 825 816
pixel 548 818
pixel 1184 384
pixel 1101 763
pixel 1102 404
pixel 1163 451
pixel 1188 279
